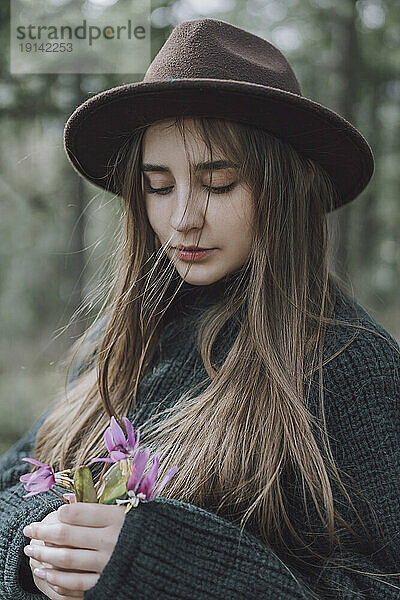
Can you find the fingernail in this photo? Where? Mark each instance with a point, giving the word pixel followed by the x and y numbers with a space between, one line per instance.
pixel 40 573
pixel 27 531
pixel 29 551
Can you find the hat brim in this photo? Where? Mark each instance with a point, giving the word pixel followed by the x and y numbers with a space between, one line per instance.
pixel 97 128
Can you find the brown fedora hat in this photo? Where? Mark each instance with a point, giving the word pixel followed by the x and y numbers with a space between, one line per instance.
pixel 209 67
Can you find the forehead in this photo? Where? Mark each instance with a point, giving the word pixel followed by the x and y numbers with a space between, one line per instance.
pixel 164 146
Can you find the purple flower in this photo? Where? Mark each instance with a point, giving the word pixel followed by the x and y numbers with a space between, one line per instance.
pixel 117 445
pixel 44 478
pixel 139 488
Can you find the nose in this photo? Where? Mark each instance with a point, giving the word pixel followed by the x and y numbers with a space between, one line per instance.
pixel 187 212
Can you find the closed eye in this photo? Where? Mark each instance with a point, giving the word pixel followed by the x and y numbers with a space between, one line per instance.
pixel 164 191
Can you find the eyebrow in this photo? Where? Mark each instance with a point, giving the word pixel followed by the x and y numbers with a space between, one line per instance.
pixel 216 165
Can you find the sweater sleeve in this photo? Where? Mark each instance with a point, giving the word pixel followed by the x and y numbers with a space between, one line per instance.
pixel 16 581
pixel 170 549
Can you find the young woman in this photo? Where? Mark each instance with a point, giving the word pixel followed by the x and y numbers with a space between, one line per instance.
pixel 247 364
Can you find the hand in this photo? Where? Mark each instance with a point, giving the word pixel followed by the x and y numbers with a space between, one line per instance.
pixel 80 542
pixel 52 592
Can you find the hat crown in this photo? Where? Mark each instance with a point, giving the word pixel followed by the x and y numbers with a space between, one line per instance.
pixel 214 49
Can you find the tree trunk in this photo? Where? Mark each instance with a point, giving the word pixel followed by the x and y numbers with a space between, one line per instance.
pixel 76 251
pixel 347 99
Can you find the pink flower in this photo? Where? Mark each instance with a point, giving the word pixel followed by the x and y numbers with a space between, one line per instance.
pixel 117 445
pixel 44 478
pixel 139 488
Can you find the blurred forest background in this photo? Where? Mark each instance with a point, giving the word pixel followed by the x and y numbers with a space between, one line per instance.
pixel 56 228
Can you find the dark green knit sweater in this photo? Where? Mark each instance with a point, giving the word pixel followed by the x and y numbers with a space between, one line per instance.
pixel 168 549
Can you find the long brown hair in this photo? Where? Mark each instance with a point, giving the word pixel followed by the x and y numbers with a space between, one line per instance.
pixel 239 443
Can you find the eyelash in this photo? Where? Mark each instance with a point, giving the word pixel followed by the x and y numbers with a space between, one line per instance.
pixel 216 190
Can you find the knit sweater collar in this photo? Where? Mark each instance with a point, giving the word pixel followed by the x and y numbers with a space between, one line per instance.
pixel 192 299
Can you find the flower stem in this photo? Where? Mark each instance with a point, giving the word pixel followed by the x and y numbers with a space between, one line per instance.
pixel 97 486
pixel 57 494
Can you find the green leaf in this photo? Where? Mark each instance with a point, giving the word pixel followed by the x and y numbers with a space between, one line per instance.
pixel 83 484
pixel 114 482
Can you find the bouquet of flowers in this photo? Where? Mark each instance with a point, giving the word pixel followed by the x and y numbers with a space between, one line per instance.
pixel 122 483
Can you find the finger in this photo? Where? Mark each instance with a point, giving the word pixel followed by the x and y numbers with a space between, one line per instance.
pixel 49 592
pixel 65 592
pixel 50 545
pixel 35 564
pixel 71 581
pixel 90 514
pixel 68 558
pixel 62 534
pixel 42 543
pixel 36 542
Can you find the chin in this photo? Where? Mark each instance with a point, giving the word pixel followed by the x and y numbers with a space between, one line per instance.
pixel 199 278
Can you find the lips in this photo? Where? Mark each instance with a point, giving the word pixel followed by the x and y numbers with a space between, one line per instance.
pixel 193 255
pixel 191 248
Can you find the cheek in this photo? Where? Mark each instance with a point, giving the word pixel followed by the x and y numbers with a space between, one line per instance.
pixel 156 215
pixel 239 221
pixel 234 237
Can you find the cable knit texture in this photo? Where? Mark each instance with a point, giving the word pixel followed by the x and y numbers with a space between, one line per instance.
pixel 168 549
